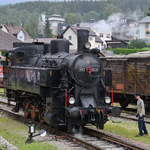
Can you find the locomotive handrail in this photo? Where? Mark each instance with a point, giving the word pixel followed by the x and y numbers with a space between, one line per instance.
pixel 33 68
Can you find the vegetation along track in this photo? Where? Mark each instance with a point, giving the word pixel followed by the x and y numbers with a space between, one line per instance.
pixel 90 139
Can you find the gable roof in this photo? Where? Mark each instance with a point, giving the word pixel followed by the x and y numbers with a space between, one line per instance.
pixel 145 19
pixel 74 29
pixel 6 41
pixel 91 32
pixel 14 30
pixel 43 40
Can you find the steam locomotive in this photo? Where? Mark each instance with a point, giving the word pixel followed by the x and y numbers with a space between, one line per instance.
pixel 64 90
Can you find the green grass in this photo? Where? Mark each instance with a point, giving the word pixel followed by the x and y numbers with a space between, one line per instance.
pixel 17 133
pixel 2 148
pixel 127 129
pixel 1 90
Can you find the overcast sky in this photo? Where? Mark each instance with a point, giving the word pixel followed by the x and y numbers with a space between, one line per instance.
pixel 5 2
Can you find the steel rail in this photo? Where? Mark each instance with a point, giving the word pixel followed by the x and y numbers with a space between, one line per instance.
pixel 113 139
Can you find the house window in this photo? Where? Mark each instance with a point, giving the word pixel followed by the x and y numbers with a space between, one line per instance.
pixel 70 37
pixel 101 34
pixel 90 38
pixel 108 35
pixel 146 25
pixel 20 37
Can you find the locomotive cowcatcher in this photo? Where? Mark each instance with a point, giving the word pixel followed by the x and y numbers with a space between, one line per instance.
pixel 64 90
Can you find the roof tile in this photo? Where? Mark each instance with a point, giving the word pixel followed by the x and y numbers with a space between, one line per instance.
pixel 6 40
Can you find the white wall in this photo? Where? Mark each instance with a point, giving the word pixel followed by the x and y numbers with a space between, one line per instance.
pixel 142 33
pixel 4 29
pixel 106 36
pixel 21 36
pixel 72 34
pixel 93 43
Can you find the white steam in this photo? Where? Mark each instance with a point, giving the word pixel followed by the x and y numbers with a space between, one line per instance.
pixel 117 24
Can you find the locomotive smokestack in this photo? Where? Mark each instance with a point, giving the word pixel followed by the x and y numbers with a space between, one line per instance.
pixel 82 35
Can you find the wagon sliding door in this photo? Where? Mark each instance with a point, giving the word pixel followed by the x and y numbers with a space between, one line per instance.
pixel 138 78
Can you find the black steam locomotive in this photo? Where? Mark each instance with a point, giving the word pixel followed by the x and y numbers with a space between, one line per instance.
pixel 61 89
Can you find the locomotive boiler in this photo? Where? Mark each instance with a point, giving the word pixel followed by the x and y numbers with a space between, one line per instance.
pixel 64 90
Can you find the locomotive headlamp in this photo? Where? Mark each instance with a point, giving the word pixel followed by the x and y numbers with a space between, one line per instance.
pixel 87 45
pixel 71 100
pixel 107 100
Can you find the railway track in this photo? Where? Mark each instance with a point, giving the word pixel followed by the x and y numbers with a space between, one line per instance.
pixel 126 114
pixel 91 138
pixel 129 116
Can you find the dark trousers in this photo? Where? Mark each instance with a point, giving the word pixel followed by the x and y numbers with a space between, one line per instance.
pixel 141 126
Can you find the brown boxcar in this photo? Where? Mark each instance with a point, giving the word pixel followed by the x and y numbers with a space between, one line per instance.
pixel 130 75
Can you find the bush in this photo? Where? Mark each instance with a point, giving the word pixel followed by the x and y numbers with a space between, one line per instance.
pixel 134 44
pixel 126 51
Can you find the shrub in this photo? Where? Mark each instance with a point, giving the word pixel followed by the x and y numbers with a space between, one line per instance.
pixel 134 44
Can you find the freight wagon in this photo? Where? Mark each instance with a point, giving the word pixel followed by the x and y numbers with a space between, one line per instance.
pixel 130 75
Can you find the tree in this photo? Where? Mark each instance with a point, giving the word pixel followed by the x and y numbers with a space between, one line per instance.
pixel 47 30
pixel 136 44
pixel 148 13
pixel 109 9
pixel 72 18
pixel 91 15
pixel 32 26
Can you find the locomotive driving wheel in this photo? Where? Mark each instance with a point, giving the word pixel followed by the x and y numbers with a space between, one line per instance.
pixel 147 108
pixel 31 112
pixel 26 110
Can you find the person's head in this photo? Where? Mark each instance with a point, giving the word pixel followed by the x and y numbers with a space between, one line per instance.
pixel 137 96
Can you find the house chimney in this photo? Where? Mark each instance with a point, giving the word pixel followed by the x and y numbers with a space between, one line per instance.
pixel 92 20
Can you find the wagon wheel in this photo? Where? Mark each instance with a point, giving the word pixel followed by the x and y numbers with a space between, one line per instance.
pixel 124 102
pixel 147 108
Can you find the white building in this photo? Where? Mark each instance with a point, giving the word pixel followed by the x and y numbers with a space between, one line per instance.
pixel 54 21
pixel 105 36
pixel 71 34
pixel 144 29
